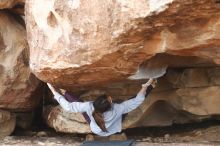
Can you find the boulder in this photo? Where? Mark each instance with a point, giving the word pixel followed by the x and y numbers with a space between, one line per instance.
pixel 17 83
pixel 63 121
pixel 82 44
pixel 7 123
pixel 103 46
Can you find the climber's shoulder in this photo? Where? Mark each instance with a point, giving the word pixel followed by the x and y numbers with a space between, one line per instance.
pixel 89 105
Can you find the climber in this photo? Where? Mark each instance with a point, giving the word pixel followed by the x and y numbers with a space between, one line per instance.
pixel 103 116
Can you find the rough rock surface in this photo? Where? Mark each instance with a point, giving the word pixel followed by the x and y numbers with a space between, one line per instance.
pixel 10 3
pixel 7 123
pixel 182 96
pixel 25 120
pixel 81 46
pixel 63 121
pixel 17 83
pixel 79 43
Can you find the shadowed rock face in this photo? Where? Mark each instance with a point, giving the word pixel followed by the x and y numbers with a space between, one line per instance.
pixel 7 123
pixel 17 84
pixel 82 44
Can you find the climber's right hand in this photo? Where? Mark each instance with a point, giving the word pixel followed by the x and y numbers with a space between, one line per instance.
pixel 154 83
pixel 151 81
pixel 148 83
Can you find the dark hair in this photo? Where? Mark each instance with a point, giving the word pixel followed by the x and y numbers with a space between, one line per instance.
pixel 101 105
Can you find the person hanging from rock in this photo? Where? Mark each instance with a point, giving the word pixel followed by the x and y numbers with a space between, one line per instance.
pixel 103 116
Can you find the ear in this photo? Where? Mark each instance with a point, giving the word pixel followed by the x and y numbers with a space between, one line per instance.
pixel 110 99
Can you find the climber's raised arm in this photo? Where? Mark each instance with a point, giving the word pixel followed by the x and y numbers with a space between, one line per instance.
pixel 69 106
pixel 133 103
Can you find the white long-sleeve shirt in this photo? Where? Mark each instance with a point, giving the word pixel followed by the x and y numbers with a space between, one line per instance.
pixel 112 118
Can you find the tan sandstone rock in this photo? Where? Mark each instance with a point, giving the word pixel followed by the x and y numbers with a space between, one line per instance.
pixel 17 83
pixel 7 123
pixel 82 43
pixel 96 46
pixel 63 121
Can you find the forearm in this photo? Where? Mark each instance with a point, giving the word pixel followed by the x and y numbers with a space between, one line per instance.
pixel 59 98
pixel 143 90
pixel 146 90
pixel 133 103
pixel 62 101
pixel 149 89
pixel 71 106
